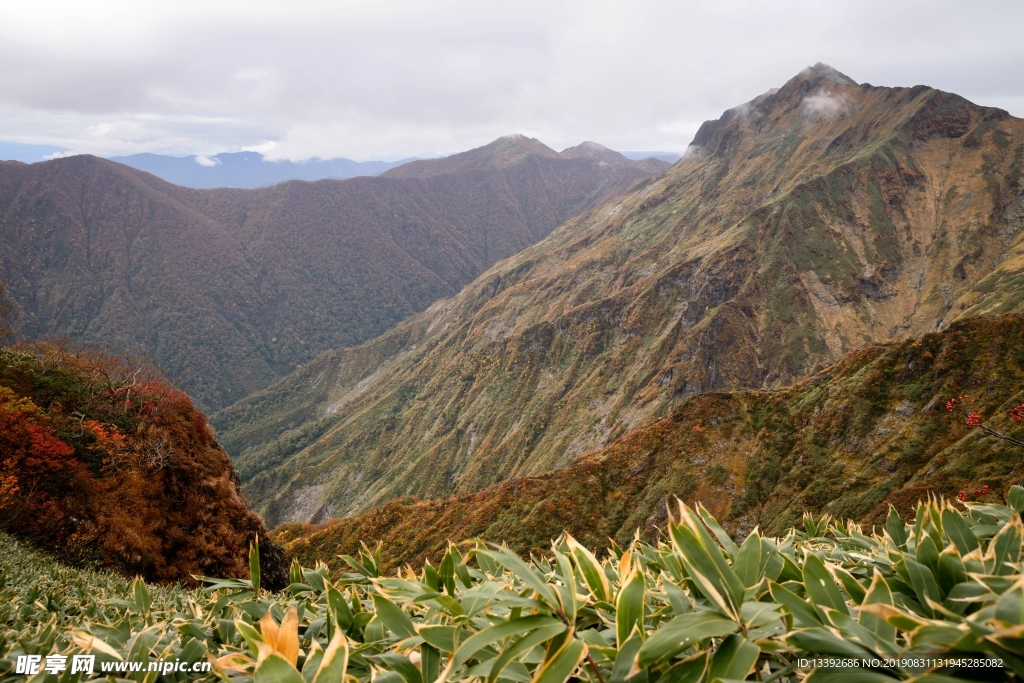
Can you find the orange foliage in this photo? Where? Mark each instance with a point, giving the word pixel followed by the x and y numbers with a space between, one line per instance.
pixel 119 469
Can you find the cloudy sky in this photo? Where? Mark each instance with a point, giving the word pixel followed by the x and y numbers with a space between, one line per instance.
pixel 393 78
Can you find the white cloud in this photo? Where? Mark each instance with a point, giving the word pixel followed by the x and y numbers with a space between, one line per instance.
pixel 206 161
pixel 824 105
pixel 371 78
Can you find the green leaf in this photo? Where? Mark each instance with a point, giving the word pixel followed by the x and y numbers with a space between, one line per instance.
pixel 629 606
pixel 401 665
pixel 1010 607
pixel 444 638
pixel 393 617
pixel 896 529
pixel 447 571
pixel 142 598
pixel 849 675
pixel 680 633
pixel 254 564
pixel 591 571
pixel 850 584
pixel 335 662
pixel 923 582
pixel 313 661
pixel 567 590
pixel 527 574
pixel 734 659
pixel 1006 546
pixel 559 666
pixel 430 662
pixel 705 563
pixel 339 607
pixel 878 594
pixel 524 644
pixel 748 561
pixel 678 598
pixel 690 670
pixel 821 587
pixel 723 538
pixel 803 613
pixel 251 636
pixel 820 641
pixel 277 669
pixel 625 658
pixel 955 526
pixel 1016 498
pixel 493 634
pixel 951 570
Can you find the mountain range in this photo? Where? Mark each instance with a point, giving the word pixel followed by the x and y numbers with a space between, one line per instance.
pixel 813 220
pixel 231 289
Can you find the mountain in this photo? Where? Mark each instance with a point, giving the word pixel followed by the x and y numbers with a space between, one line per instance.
pixel 230 289
pixel 247 169
pixel 870 431
pixel 808 222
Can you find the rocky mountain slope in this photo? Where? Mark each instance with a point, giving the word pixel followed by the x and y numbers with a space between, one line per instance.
pixel 814 219
pixel 869 431
pixel 231 289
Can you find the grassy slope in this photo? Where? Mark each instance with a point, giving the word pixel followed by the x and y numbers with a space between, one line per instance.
pixel 869 431
pixel 231 289
pixel 788 240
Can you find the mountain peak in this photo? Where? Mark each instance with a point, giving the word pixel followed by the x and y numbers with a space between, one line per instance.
pixel 826 72
pixel 505 151
pixel 593 150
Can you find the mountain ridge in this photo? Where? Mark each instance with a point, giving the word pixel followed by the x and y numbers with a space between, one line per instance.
pixel 818 217
pixel 230 289
pixel 870 431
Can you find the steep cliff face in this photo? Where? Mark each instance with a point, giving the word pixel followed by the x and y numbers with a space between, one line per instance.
pixel 808 222
pixel 870 431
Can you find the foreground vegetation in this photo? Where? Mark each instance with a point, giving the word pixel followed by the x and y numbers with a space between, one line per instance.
pixel 946 587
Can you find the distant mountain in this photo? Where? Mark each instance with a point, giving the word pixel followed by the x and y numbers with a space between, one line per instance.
pixel 811 221
pixel 868 432
pixel 230 289
pixel 248 169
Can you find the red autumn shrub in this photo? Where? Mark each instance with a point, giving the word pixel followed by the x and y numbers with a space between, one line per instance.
pixel 119 469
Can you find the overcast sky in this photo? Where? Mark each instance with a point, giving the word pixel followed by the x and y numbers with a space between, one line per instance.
pixel 387 79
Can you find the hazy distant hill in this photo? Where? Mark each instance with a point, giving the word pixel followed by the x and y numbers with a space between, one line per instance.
pixel 801 225
pixel 248 169
pixel 229 289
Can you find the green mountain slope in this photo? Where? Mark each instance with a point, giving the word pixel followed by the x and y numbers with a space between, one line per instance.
pixel 869 431
pixel 801 225
pixel 231 289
